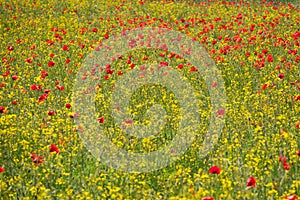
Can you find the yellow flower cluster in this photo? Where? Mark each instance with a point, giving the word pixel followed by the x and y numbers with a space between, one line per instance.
pixel 45 45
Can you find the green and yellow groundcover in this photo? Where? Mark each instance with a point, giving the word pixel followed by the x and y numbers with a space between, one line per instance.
pixel 149 99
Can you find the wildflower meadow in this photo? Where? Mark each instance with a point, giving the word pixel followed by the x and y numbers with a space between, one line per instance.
pixel 149 99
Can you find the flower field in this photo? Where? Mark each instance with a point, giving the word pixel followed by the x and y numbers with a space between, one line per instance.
pixel 46 48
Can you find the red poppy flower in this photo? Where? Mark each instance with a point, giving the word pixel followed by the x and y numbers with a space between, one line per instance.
pixel 1 169
pixel 264 86
pixel 298 153
pixel 37 159
pixel 42 97
pixel 251 182
pixel 106 77
pixel 10 48
pixel 44 73
pixel 132 65
pixel 68 60
pixel 28 60
pixel 221 112
pixel 60 87
pixel 193 69
pixel 33 87
pixel 292 197
pixel 51 64
pixel 6 73
pixel 297 98
pixel 214 170
pixel 282 159
pixel 51 112
pixel 297 124
pixel 15 102
pixel 286 166
pixel 14 77
pixel 2 109
pixel 54 148
pixel 101 120
pixel 180 66
pixel 207 198
pixel 171 55
pixel 265 51
pixel 281 76
pixel 163 64
pixel 65 48
pixel 68 105
pixel 110 71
